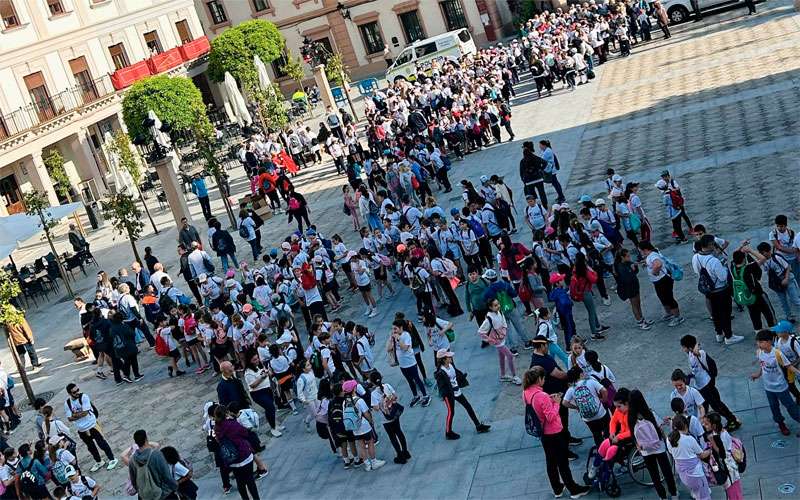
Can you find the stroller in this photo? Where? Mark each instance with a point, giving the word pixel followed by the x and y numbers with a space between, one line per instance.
pixel 604 478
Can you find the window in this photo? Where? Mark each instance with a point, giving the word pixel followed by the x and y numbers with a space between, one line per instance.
pixel 9 15
pixel 412 28
pixel 424 50
pixel 184 33
pixel 216 11
pixel 371 35
pixel 56 7
pixel 40 97
pixel 278 64
pixel 83 78
pixel 453 14
pixel 260 5
pixel 119 56
pixel 152 42
pixel 464 36
pixel 404 57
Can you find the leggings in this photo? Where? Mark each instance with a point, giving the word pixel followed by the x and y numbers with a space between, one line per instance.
pixel 713 399
pixel 599 429
pixel 396 437
pixel 93 436
pixel 721 308
pixel 424 302
pixel 449 403
pixel 421 365
pixel 245 481
pixel 504 356
pixel 412 377
pixel 653 463
pixel 264 399
pixel 664 292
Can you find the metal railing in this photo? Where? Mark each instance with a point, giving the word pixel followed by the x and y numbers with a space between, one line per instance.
pixel 42 111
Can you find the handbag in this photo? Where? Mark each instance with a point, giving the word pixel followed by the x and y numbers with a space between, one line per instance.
pixel 390 349
pixel 394 411
pixel 635 222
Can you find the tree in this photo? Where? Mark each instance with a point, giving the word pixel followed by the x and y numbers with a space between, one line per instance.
pixel 120 146
pixel 271 108
pixel 11 316
pixel 125 216
pixel 339 74
pixel 37 205
pixel 174 99
pixel 206 146
pixel 54 163
pixel 234 49
pixel 294 69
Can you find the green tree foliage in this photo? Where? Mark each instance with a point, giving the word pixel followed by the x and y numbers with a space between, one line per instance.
pixel 120 145
pixel 234 49
pixel 336 70
pixel 54 163
pixel 9 288
pixel 125 217
pixel 272 107
pixel 294 69
pixel 37 205
pixel 174 99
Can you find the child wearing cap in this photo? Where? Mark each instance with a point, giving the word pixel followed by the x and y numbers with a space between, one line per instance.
pixel 81 486
pixel 560 296
pixel 363 426
pixel 787 343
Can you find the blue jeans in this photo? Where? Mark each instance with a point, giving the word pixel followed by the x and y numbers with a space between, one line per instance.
pixel 516 334
pixel 557 186
pixel 775 400
pixel 374 222
pixel 591 309
pixel 557 352
pixel 790 298
pixel 796 270
pixel 254 247
pixel 224 259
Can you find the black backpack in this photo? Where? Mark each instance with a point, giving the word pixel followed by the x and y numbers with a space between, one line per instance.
pixel 165 302
pixel 711 369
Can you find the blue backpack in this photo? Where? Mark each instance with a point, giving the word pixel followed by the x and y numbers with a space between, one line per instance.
pixel 610 232
pixel 476 227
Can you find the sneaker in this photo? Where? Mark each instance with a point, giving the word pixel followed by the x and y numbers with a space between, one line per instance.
pixel 505 378
pixel 644 325
pixel 120 382
pixel 483 428
pixel 373 313
pixel 112 464
pixel 281 427
pixel 667 317
pixel 400 460
pixel 127 380
pixel 275 433
pixel 607 301
pixel 784 430
pixel 598 336
pixel 99 465
pixel 226 490
pixel 452 436
pixel 414 401
pixel 592 472
pixel 140 377
pixel 426 401
pixel 377 464
pixel 573 441
pixel 368 466
pixel 734 339
pixel 347 464
pixel 528 346
pixel 572 456
pixel 604 328
pixel 516 380
pixel 733 425
pixel 262 474
pixel 676 321
pixel 100 375
pixel 367 312
pixel 582 491
pixel 560 493
pixel 308 426
pixel 514 352
pixel 358 462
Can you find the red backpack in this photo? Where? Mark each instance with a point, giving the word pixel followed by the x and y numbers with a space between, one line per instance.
pixel 294 204
pixel 308 278
pixel 162 349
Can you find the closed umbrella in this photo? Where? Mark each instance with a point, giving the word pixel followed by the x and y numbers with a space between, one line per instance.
pixel 160 137
pixel 229 112
pixel 238 104
pixel 123 181
pixel 263 76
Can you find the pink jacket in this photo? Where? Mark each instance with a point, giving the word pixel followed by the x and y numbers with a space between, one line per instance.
pixel 546 409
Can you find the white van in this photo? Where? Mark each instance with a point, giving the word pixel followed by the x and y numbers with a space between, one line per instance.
pixel 681 10
pixel 451 45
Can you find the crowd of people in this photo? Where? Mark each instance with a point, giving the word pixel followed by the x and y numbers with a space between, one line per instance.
pixel 274 334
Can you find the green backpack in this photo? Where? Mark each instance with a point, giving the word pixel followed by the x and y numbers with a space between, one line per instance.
pixel 741 292
pixel 506 302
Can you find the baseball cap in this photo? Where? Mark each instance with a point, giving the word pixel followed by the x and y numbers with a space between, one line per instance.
pixel 54 440
pixel 273 252
pixel 490 274
pixel 230 284
pixel 484 179
pixel 286 338
pixel 70 471
pixel 783 326
pixel 202 278
pixel 616 178
pixel 556 277
pixel 247 308
pixel 286 246
pixel 443 353
pixel 600 201
pixel 349 385
pixel 454 211
pixel 585 198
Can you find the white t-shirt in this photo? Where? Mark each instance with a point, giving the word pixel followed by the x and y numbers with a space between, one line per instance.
pixel 405 358
pixel 438 338
pixel 651 259
pixel 85 404
pixel 588 393
pixel 687 449
pixel 377 397
pixel 79 489
pixel 691 398
pixel 326 355
pixel 250 377
pixel 365 427
pixel 451 374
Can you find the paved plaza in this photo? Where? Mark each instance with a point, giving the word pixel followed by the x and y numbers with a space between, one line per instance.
pixel 717 105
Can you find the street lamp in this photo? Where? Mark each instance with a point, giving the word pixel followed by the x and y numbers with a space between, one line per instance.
pixel 344 11
pixel 315 53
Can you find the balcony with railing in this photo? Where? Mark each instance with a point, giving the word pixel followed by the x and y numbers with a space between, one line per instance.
pixel 77 99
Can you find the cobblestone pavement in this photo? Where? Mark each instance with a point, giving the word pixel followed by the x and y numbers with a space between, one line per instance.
pixel 716 105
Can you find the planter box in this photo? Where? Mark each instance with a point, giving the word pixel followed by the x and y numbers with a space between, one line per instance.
pixel 127 76
pixel 164 61
pixel 195 48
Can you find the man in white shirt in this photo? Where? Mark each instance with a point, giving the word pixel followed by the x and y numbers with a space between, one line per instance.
pixel 714 280
pixel 158 273
pixel 78 409
pixel 199 261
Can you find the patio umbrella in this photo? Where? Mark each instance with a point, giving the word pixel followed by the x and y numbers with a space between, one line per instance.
pixel 229 112
pixel 238 104
pixel 263 77
pixel 159 136
pixel 122 178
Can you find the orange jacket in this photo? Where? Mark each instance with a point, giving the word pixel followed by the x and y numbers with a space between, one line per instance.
pixel 619 425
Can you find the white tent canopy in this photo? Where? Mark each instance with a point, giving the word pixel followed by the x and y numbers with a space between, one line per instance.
pixel 237 101
pixel 20 227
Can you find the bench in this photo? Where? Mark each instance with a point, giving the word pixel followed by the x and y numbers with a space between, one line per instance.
pixel 79 347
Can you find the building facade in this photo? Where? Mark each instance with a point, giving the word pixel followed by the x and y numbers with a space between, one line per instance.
pixel 359 29
pixel 64 65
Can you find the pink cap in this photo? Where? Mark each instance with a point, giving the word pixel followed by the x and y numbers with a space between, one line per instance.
pixel 556 277
pixel 349 385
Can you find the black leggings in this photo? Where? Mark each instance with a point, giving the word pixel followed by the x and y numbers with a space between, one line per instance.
pixel 246 481
pixel 761 307
pixel 421 365
pixel 721 309
pixel 93 436
pixel 656 462
pixel 713 399
pixel 424 302
pixel 412 377
pixel 396 437
pixel 599 429
pixel 556 451
pixel 449 403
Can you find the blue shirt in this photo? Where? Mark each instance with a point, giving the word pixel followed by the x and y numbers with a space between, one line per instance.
pixel 199 188
pixel 550 158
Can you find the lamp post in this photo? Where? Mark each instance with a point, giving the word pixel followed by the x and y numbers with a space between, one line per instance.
pixel 315 54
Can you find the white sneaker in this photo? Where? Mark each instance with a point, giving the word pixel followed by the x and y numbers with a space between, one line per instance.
pixel 735 339
pixel 96 467
pixel 505 378
pixel 377 464
pixel 677 320
pixel 516 381
pixel 367 312
pixel 308 426
pixel 276 433
pixel 372 313
pixel 367 466
pixel 720 338
pixel 667 317
pixel 281 427
pixel 607 301
pixel 112 464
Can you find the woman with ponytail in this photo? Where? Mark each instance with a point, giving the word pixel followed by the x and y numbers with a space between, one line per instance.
pixel 688 455
pixel 650 442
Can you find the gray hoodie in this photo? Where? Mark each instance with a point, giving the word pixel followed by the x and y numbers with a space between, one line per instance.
pixel 159 469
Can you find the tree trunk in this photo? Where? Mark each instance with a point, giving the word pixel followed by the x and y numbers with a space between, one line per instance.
pixel 147 211
pixel 135 251
pixel 23 375
pixel 346 88
pixel 225 201
pixel 58 261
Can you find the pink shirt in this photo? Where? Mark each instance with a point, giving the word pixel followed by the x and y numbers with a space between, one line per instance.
pixel 546 409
